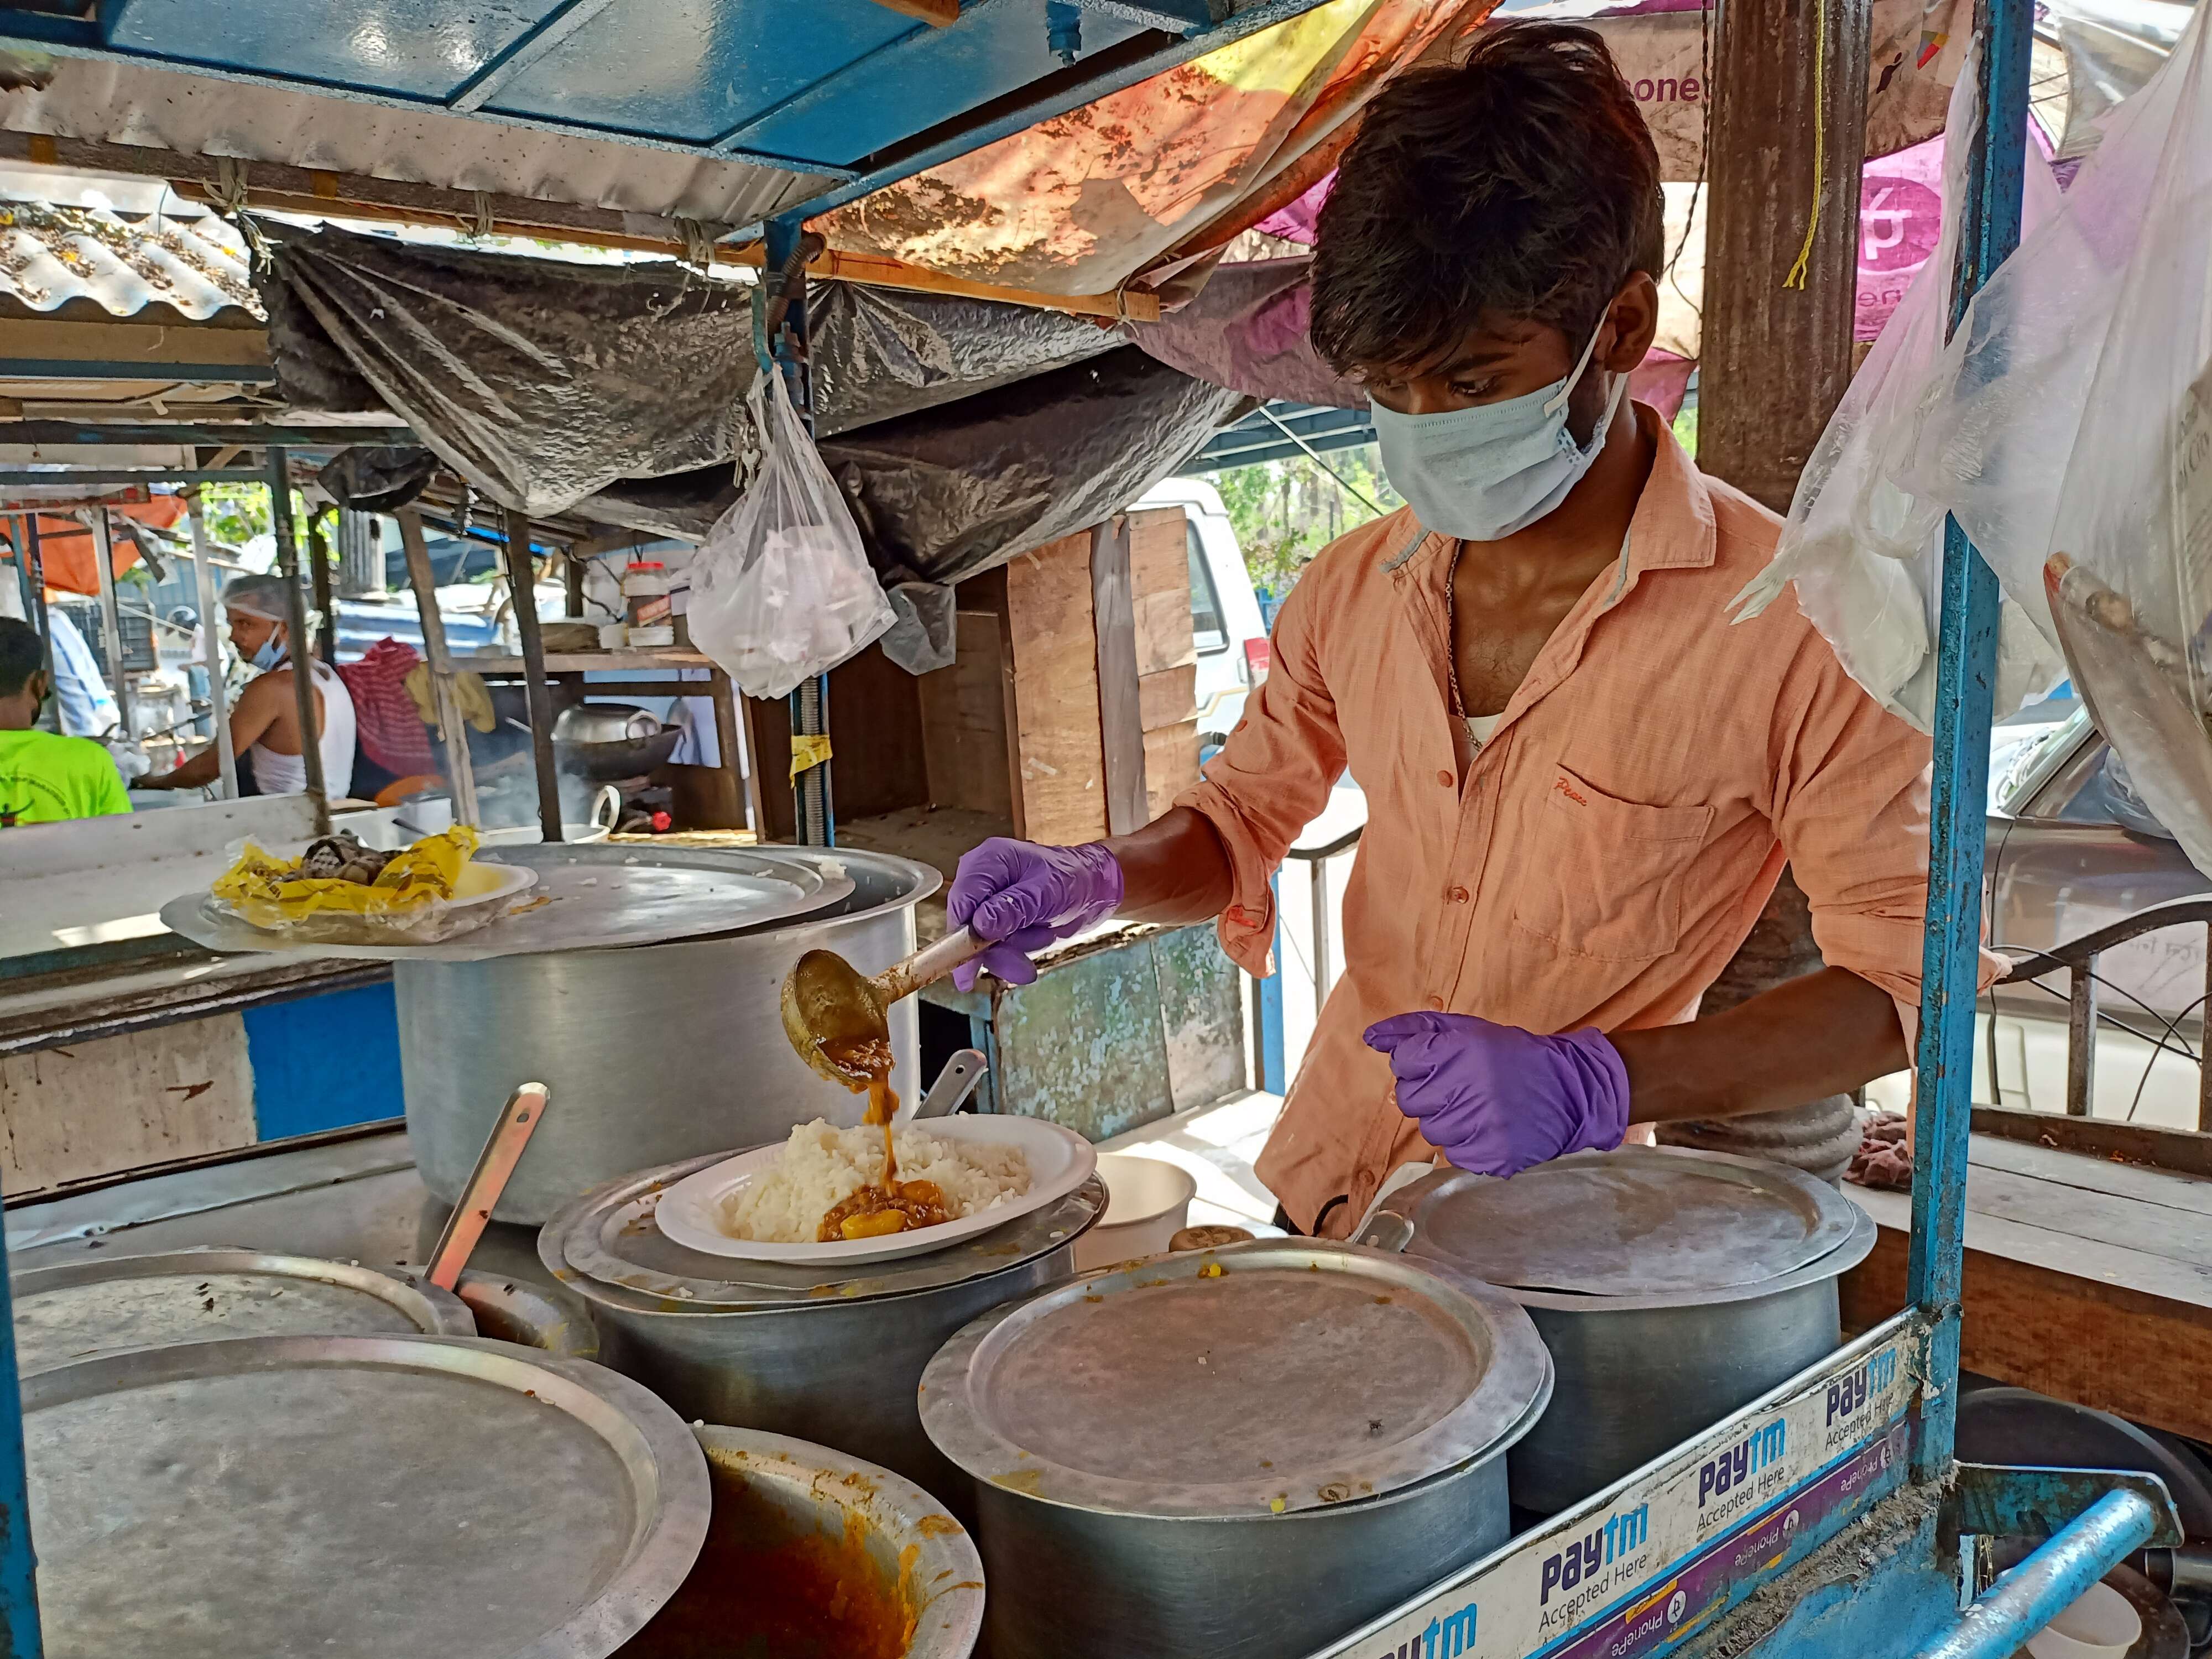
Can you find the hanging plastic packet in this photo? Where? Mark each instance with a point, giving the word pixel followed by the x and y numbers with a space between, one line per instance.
pixel 1866 555
pixel 781 589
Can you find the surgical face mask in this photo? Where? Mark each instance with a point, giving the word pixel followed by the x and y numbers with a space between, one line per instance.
pixel 1482 473
pixel 270 653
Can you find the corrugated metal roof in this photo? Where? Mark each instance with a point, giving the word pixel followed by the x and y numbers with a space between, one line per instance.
pixel 51 254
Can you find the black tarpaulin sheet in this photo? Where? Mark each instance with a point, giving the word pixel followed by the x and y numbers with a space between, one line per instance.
pixel 944 494
pixel 544 382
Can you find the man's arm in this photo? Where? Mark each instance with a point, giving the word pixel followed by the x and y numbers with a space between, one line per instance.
pixel 256 710
pixel 1823 1034
pixel 1173 870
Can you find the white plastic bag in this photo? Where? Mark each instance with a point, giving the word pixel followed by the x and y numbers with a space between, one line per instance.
pixel 1867 557
pixel 2071 432
pixel 782 590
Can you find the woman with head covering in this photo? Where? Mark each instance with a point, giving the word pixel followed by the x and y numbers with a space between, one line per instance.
pixel 264 727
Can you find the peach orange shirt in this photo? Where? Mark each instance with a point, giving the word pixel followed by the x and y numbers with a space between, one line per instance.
pixel 1610 846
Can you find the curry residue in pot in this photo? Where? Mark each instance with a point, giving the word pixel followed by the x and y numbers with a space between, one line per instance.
pixel 889 1205
pixel 760 1592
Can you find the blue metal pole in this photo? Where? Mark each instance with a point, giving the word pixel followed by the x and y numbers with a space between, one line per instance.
pixel 2050 1581
pixel 19 1634
pixel 1990 230
pixel 809 703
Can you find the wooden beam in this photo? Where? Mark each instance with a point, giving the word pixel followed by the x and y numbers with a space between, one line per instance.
pixel 1788 125
pixel 871 269
pixel 1121 718
pixel 460 770
pixel 936 12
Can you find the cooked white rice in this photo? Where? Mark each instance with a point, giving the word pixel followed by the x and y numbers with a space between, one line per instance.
pixel 821 1164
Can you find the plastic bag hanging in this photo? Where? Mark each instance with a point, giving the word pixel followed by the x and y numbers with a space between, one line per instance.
pixel 782 590
pixel 1866 557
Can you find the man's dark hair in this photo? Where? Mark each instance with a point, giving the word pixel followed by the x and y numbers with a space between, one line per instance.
pixel 21 654
pixel 1522 182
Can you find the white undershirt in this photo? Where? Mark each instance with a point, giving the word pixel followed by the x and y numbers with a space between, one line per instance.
pixel 1479 726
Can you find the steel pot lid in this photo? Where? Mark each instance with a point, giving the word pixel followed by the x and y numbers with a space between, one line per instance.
pixel 607 1247
pixel 1637 1221
pixel 1262 1378
pixel 106 1305
pixel 389 1495
pixel 589 895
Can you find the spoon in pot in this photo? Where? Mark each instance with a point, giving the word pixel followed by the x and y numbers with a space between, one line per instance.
pixel 830 1009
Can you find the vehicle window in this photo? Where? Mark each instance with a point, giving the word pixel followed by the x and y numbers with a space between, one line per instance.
pixel 1208 631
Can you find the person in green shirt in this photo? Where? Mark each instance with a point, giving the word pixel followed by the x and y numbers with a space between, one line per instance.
pixel 44 778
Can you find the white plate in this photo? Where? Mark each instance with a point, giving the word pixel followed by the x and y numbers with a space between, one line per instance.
pixel 1060 1160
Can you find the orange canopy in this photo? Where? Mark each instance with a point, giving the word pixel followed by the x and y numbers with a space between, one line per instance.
pixel 66 549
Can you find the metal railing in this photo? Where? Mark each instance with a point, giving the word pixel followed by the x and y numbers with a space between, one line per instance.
pixel 2084 1013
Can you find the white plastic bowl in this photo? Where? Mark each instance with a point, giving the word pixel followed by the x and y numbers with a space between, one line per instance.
pixel 1147 1204
pixel 2101 1625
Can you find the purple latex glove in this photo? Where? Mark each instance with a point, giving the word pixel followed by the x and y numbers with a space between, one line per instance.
pixel 1025 896
pixel 1495 1099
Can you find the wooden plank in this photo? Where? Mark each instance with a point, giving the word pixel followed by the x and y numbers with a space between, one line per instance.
pixel 1169 697
pixel 963 722
pixel 2117 1347
pixel 1114 625
pixel 876 730
pixel 2185 1151
pixel 1784 147
pixel 1060 774
pixel 1159 568
pixel 936 13
pixel 2166 1189
pixel 1171 765
pixel 91 1108
pixel 2080 1214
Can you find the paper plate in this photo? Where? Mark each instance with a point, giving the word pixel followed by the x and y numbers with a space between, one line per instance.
pixel 1059 1161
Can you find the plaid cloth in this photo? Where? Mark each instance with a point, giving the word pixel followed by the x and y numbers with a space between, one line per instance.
pixel 391 730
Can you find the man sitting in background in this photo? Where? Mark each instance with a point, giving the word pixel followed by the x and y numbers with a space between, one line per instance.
pixel 45 779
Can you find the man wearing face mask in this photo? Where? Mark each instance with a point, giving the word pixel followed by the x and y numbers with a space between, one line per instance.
pixel 1583 782
pixel 265 724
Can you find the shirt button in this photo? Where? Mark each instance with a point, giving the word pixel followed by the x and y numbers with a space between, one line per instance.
pixel 1457 895
pixel 1437 1004
pixel 1445 779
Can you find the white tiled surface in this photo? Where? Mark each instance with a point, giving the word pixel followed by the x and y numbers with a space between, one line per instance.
pixel 1217 1144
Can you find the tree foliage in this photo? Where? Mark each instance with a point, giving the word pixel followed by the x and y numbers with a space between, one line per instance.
pixel 1285 512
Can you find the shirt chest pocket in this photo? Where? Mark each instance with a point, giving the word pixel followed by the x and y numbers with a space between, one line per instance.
pixel 1608 876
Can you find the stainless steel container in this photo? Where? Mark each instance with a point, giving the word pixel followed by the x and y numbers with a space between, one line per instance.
pixel 111 1302
pixel 510 1310
pixel 381 1497
pixel 896 1559
pixel 1672 1287
pixel 805 1352
pixel 652 1051
pixel 1237 1453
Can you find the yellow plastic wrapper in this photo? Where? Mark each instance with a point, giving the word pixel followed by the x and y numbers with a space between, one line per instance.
pixel 426 872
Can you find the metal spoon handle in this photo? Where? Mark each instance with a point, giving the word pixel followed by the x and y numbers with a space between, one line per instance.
pixel 928 965
pixel 518 1121
pixel 954 1084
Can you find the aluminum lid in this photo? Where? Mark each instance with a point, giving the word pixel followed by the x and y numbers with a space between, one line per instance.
pixel 1261 1378
pixel 606 1246
pixel 379 1497
pixel 108 1303
pixel 1637 1221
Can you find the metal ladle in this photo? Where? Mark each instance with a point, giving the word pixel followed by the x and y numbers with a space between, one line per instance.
pixel 828 1003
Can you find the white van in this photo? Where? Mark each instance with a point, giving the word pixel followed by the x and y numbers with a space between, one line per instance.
pixel 1225 613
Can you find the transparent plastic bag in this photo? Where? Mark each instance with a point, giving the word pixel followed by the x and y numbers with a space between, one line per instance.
pixel 781 589
pixel 1867 555
pixel 2071 432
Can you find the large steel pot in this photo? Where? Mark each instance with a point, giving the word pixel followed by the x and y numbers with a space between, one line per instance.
pixel 652 1051
pixel 1673 1287
pixel 1241 1453
pixel 876 1557
pixel 804 1352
